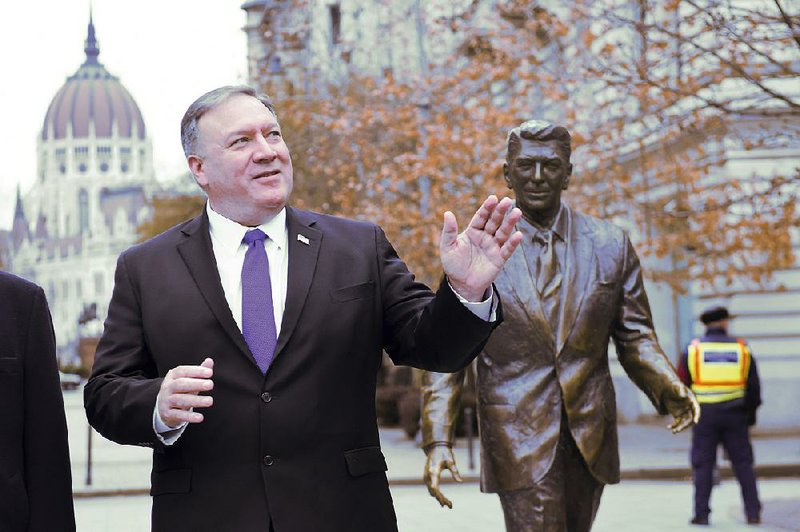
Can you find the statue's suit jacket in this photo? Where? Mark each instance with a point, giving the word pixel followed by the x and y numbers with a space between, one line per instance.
pixel 528 373
pixel 299 445
pixel 35 478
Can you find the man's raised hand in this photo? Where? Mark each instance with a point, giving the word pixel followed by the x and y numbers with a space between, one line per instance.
pixel 473 259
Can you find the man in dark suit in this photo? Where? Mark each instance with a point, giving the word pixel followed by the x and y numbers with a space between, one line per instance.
pixel 289 311
pixel 35 478
pixel 546 401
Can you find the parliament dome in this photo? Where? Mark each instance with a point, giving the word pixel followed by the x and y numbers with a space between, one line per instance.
pixel 93 103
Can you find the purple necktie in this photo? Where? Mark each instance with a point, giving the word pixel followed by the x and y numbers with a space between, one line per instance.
pixel 258 317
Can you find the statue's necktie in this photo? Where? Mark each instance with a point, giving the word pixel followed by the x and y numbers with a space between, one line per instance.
pixel 548 275
pixel 258 316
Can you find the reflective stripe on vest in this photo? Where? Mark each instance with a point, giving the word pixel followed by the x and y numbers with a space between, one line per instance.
pixel 719 370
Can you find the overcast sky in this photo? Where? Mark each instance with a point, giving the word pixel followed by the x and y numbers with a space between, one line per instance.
pixel 166 52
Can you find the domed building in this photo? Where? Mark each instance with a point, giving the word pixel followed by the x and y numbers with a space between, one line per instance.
pixel 95 175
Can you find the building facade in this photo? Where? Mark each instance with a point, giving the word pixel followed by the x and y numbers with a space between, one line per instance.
pixel 766 314
pixel 308 44
pixel 95 176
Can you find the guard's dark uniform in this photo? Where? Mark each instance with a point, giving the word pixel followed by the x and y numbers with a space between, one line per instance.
pixel 723 375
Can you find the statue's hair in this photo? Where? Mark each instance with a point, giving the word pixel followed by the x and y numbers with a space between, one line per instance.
pixel 209 101
pixel 539 130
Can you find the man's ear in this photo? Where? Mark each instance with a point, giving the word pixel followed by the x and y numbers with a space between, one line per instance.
pixel 566 179
pixel 197 167
pixel 505 174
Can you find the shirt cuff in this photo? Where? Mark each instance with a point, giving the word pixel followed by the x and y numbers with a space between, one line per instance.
pixel 485 310
pixel 166 434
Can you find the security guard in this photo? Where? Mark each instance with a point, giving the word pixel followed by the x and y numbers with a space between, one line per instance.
pixel 722 373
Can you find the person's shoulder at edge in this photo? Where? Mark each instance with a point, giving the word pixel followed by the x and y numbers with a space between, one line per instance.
pixel 18 293
pixel 10 280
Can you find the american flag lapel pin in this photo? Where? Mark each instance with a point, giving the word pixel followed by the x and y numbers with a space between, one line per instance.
pixel 302 238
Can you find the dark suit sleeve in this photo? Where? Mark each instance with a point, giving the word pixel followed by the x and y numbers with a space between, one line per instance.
pixel 437 334
pixel 120 395
pixel 48 479
pixel 637 345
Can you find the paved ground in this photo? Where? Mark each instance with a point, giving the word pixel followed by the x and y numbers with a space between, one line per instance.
pixel 634 505
pixel 647 452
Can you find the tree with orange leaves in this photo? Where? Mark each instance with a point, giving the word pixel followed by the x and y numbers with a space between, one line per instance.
pixel 660 98
pixel 676 110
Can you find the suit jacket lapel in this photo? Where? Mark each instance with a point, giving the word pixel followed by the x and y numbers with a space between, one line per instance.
pixel 198 254
pixel 304 243
pixel 579 264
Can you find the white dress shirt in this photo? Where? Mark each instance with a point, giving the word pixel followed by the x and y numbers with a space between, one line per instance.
pixel 229 252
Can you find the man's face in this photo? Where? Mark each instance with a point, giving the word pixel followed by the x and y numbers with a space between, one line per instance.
pixel 243 163
pixel 537 175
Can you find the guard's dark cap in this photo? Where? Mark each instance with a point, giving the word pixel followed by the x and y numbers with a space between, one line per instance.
pixel 713 314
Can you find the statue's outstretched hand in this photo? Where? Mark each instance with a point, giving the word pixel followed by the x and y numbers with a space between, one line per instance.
pixel 440 457
pixel 473 259
pixel 684 408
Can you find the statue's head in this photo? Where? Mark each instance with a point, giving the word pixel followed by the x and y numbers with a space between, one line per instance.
pixel 537 168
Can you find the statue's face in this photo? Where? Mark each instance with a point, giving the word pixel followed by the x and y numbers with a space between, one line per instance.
pixel 537 175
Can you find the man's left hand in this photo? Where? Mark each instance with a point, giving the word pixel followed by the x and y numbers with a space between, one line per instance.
pixel 473 259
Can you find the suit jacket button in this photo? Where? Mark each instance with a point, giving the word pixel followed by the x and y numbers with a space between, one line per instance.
pixel 268 460
pixel 266 397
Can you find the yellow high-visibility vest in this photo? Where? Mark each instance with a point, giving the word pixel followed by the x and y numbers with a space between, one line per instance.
pixel 719 370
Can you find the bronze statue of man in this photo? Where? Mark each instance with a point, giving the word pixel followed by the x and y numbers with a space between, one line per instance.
pixel 546 401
